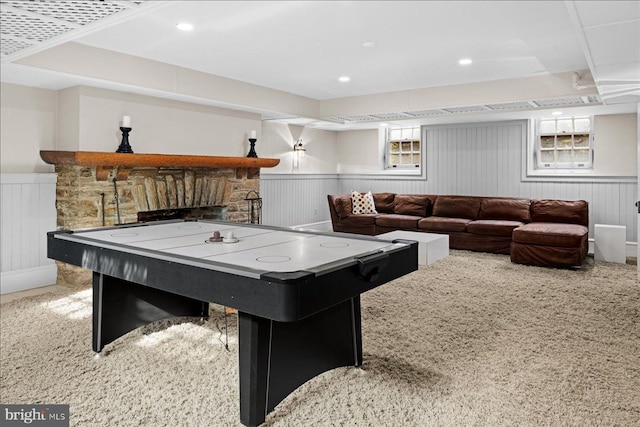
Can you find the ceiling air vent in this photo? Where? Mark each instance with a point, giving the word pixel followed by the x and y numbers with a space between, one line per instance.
pixel 346 119
pixel 24 27
pixel 510 106
pixel 9 46
pixel 561 101
pixel 390 116
pixel 425 113
pixel 30 24
pixel 469 109
pixel 77 12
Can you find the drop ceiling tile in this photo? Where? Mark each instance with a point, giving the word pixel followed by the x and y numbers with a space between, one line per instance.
pixel 614 44
pixel 628 71
pixel 607 12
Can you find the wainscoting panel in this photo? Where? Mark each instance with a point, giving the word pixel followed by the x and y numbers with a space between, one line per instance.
pixel 486 159
pixel 27 212
pixel 290 199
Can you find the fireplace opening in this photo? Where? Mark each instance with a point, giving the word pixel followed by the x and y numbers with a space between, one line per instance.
pixel 218 213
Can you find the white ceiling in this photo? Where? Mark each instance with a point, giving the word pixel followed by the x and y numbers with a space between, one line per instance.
pixel 302 47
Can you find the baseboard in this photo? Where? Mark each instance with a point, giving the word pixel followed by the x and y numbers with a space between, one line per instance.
pixel 631 248
pixel 28 278
pixel 315 226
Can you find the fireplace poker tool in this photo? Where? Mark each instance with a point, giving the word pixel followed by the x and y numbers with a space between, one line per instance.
pixel 115 189
pixel 255 206
pixel 102 206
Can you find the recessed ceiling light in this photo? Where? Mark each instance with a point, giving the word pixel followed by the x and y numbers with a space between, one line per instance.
pixel 384 125
pixel 465 61
pixel 184 26
pixel 557 113
pixel 344 79
pixel 369 44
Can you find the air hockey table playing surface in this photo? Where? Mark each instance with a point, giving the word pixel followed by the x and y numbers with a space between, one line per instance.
pixel 258 250
pixel 297 292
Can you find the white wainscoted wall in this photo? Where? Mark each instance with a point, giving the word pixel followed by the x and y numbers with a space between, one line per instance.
pixel 27 212
pixel 290 199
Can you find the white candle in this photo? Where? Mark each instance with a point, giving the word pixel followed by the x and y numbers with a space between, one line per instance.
pixel 253 134
pixel 126 121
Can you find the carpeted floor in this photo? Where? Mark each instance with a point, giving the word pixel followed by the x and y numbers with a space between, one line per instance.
pixel 472 340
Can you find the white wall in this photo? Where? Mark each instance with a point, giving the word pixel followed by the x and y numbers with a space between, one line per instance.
pixel 144 74
pixel 615 145
pixel 615 148
pixel 159 125
pixel 88 119
pixel 296 193
pixel 28 117
pixel 277 142
pixel 358 152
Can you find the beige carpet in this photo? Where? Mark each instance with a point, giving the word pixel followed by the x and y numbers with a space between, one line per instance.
pixel 473 340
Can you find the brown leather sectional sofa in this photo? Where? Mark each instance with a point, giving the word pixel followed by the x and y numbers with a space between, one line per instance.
pixel 549 233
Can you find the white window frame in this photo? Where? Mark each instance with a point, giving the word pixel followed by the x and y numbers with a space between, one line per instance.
pixel 405 140
pixel 556 128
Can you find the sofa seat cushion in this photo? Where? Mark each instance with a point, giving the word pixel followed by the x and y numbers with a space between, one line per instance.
pixel 359 220
pixel 493 227
pixel 439 224
pixel 551 234
pixel 403 222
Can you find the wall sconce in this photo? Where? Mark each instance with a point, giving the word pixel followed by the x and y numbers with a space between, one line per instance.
pixel 298 149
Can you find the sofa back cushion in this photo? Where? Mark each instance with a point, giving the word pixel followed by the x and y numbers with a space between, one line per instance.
pixel 567 211
pixel 415 205
pixel 508 209
pixel 342 205
pixel 457 207
pixel 384 202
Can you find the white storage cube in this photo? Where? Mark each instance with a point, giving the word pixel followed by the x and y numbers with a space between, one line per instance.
pixel 431 247
pixel 609 243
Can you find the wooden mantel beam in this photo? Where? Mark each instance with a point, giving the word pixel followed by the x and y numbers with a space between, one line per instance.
pixel 121 163
pixel 95 158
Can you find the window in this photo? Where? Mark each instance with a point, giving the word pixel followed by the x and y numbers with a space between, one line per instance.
pixel 564 143
pixel 404 148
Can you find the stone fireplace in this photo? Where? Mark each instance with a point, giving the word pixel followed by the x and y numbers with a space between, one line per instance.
pixel 83 201
pixel 106 189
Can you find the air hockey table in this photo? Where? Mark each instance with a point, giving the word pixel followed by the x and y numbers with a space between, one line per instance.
pixel 297 292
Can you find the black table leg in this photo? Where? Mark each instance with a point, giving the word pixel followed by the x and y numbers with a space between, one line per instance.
pixel 278 357
pixel 120 306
